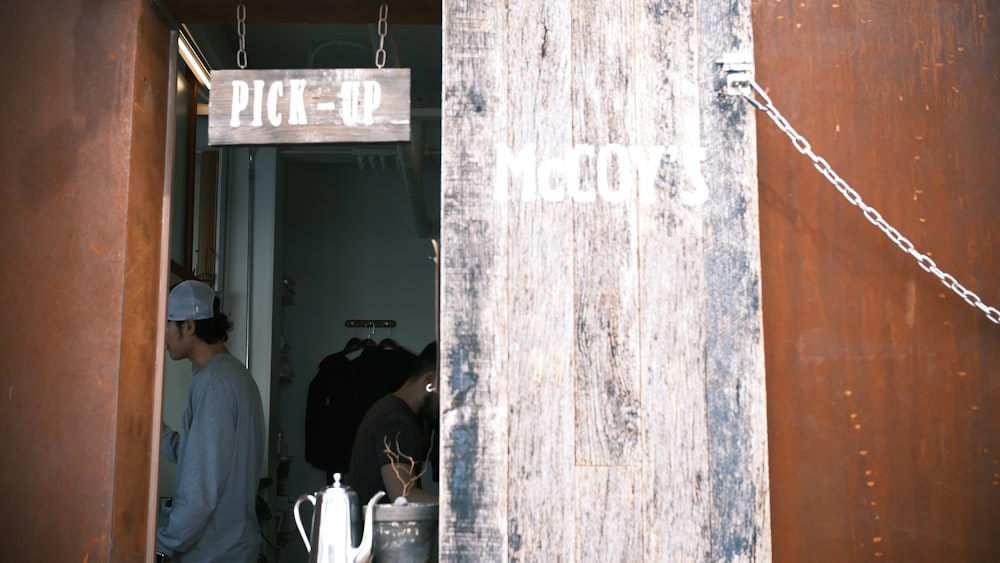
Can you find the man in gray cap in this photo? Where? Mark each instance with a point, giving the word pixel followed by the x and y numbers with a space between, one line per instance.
pixel 219 451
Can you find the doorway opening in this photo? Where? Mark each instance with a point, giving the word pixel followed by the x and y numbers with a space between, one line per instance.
pixel 301 239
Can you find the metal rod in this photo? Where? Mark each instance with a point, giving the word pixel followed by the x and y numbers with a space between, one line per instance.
pixel 369 323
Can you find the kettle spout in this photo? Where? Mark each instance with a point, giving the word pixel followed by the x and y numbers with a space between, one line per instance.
pixel 363 553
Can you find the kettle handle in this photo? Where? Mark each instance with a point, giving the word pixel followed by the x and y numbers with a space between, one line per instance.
pixel 298 520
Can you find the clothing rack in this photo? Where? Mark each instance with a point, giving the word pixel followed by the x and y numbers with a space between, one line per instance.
pixel 369 323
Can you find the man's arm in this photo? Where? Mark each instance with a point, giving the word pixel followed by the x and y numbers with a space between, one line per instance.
pixel 168 443
pixel 201 474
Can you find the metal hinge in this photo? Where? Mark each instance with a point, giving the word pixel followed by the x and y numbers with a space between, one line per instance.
pixel 739 73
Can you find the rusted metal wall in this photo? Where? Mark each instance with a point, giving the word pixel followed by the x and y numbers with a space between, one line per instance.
pixel 883 387
pixel 81 181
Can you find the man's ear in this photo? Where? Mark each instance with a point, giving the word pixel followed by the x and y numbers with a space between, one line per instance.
pixel 429 376
pixel 187 327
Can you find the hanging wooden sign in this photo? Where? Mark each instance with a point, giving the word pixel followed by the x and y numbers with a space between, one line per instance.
pixel 270 107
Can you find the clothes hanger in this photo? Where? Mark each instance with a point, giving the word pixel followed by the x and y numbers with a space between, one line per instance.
pixel 370 341
pixel 388 344
pixel 353 345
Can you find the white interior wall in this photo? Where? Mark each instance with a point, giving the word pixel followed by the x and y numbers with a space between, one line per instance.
pixel 176 379
pixel 351 248
pixel 248 253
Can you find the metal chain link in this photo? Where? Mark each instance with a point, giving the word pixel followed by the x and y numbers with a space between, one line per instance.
pixel 852 196
pixel 241 31
pixel 383 28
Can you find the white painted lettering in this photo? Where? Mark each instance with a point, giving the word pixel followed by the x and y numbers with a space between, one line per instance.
pixel 625 185
pixel 359 102
pixel 576 190
pixel 523 165
pixel 258 103
pixel 647 164
pixel 546 170
pixel 691 158
pixel 349 94
pixel 273 93
pixel 297 105
pixel 373 98
pixel 241 97
pixel 621 173
pixel 672 153
pixel 352 100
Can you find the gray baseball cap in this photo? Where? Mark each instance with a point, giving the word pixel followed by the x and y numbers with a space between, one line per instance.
pixel 191 299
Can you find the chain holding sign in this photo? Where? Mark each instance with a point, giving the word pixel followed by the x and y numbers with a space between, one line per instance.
pixel 272 107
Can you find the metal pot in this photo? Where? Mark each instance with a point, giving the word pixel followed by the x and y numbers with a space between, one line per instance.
pixel 406 533
pixel 332 537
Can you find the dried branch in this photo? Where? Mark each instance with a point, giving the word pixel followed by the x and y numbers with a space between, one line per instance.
pixel 396 458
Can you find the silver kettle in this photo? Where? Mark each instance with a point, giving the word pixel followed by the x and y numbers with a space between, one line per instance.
pixel 332 537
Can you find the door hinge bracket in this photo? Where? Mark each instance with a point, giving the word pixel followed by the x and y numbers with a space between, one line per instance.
pixel 738 68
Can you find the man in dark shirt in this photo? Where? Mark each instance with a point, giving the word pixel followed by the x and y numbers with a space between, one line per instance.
pixel 396 419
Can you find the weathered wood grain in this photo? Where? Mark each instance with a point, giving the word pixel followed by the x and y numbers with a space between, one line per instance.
pixel 474 300
pixel 605 291
pixel 736 397
pixel 600 311
pixel 608 524
pixel 539 367
pixel 676 494
pixel 607 393
pixel 342 105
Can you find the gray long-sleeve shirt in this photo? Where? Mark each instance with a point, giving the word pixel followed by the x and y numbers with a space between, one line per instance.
pixel 219 455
